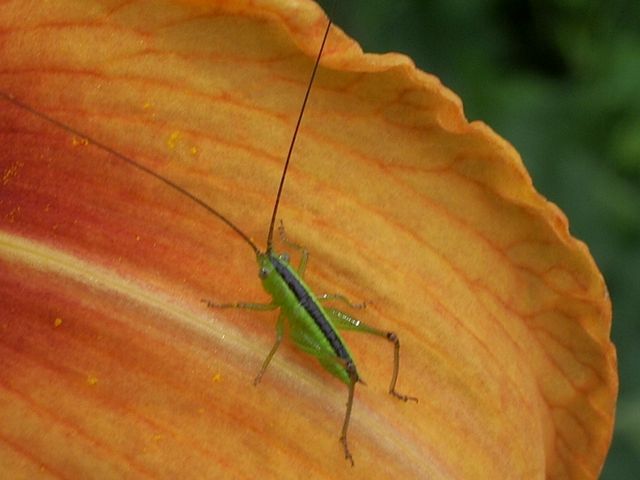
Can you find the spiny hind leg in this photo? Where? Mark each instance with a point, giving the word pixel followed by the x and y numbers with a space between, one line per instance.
pixel 332 363
pixel 344 321
pixel 345 423
pixel 350 367
pixel 304 253
pixel 332 360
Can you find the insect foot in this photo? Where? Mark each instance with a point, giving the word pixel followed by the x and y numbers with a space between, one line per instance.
pixel 347 453
pixel 392 337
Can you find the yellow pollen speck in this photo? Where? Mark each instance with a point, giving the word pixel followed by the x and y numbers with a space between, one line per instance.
pixel 172 141
pixel 11 216
pixel 57 322
pixel 216 377
pixel 11 172
pixel 75 141
pixel 194 151
pixel 92 380
pixel 147 105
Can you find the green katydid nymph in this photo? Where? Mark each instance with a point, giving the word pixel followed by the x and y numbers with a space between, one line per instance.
pixel 312 325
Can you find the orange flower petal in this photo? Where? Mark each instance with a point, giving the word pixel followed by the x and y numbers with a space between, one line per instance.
pixel 113 368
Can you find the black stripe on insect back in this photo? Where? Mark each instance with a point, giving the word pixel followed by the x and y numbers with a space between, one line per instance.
pixel 311 307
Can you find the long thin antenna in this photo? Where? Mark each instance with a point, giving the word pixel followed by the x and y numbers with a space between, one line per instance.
pixel 133 163
pixel 293 139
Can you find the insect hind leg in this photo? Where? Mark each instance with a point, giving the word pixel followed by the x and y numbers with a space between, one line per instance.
pixel 332 363
pixel 345 424
pixel 344 321
pixel 392 337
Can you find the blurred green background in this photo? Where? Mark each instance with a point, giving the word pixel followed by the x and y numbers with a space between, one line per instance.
pixel 561 81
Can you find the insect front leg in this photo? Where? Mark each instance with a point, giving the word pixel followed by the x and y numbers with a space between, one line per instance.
pixel 344 321
pixel 345 424
pixel 304 253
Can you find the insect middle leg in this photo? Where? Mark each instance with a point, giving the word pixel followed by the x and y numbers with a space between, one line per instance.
pixel 344 321
pixel 243 305
pixel 261 307
pixel 336 296
pixel 279 335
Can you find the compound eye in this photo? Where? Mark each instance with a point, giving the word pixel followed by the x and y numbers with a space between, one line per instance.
pixel 263 273
pixel 284 257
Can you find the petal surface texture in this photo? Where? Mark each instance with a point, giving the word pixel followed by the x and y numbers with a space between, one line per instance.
pixel 111 365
